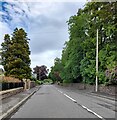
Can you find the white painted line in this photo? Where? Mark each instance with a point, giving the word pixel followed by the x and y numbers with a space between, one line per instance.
pixel 92 112
pixel 98 115
pixel 70 98
pixel 81 105
pixel 60 91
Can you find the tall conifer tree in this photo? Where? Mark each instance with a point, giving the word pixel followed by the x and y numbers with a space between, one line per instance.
pixel 15 58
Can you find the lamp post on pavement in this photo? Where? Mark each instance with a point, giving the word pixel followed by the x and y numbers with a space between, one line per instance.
pixel 96 88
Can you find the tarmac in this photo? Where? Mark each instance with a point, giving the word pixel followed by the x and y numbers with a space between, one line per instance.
pixel 92 93
pixel 11 104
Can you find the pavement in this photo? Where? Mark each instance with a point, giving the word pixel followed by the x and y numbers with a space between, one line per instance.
pixel 53 101
pixel 12 103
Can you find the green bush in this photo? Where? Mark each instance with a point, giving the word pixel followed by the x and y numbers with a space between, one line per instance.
pixel 67 81
pixel 39 82
pixel 48 81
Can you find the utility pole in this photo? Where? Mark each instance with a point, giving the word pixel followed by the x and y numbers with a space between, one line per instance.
pixel 96 88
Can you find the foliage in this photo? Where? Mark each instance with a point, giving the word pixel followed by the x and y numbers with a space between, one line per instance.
pixel 79 54
pixel 56 70
pixel 15 55
pixel 33 78
pixel 39 82
pixel 47 81
pixel 41 72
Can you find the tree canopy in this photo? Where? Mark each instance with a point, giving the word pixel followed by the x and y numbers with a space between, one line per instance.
pixel 79 54
pixel 15 54
pixel 41 72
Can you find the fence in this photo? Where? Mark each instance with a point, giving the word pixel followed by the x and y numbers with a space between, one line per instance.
pixel 7 83
pixel 10 85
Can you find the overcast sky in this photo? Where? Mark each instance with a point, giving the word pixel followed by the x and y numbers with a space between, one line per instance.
pixel 45 23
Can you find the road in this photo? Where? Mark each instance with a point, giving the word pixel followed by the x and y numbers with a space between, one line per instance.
pixel 55 102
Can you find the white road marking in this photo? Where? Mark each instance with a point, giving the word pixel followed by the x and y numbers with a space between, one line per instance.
pixel 82 106
pixel 60 91
pixel 92 112
pixel 70 98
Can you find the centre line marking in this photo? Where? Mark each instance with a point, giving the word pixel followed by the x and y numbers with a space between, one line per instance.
pixel 70 98
pixel 92 112
pixel 83 106
pixel 60 91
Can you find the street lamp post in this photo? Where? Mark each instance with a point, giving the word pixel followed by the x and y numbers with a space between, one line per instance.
pixel 96 88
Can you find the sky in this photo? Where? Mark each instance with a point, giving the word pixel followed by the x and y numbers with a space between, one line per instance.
pixel 44 22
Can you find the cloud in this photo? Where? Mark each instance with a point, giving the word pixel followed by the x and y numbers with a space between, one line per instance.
pixel 45 24
pixel 49 30
pixel 46 1
pixel 48 58
pixel 4 29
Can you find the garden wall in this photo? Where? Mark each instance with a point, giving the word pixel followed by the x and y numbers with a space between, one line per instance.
pixel 7 93
pixel 112 89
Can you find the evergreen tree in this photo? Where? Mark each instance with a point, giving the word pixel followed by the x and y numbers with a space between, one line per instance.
pixel 15 55
pixel 5 52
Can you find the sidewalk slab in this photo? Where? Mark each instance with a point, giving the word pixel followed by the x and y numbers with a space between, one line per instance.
pixel 10 104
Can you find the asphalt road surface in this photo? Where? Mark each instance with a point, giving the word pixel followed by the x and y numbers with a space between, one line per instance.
pixel 54 102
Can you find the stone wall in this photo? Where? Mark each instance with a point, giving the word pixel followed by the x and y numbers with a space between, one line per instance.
pixel 7 93
pixel 32 84
pixel 108 89
pixel 104 89
pixel 28 84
